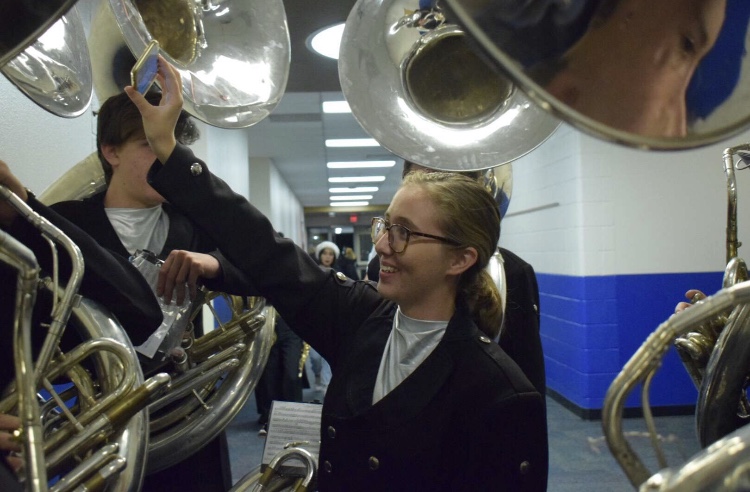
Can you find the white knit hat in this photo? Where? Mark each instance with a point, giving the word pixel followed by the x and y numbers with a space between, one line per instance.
pixel 327 244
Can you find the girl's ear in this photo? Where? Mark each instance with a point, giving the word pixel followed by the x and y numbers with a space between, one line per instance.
pixel 463 259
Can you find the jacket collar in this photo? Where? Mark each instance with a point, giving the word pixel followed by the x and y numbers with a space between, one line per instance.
pixel 416 391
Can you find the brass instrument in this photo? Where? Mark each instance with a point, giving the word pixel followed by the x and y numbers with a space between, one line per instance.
pixel 212 379
pixel 714 355
pixel 273 479
pixel 453 111
pixel 214 374
pixel 695 348
pixel 106 430
pixel 43 52
pixel 233 57
pixel 55 71
pixel 722 405
pixel 646 361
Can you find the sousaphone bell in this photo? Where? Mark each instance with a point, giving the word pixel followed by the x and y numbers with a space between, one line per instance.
pixel 416 86
pixel 233 56
pixel 43 53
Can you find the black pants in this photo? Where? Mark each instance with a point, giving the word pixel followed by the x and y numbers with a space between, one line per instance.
pixel 280 380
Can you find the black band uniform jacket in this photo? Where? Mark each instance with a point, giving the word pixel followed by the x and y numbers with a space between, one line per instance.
pixel 466 419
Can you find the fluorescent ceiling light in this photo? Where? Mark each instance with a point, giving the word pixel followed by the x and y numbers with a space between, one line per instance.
pixel 357 179
pixel 336 107
pixel 355 189
pixel 349 204
pixel 352 142
pixel 359 164
pixel 351 197
pixel 338 230
pixel 327 41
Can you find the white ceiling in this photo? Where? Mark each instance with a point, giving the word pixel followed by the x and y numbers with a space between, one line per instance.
pixel 293 137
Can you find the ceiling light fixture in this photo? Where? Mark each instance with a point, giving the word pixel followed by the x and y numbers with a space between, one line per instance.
pixel 327 41
pixel 357 179
pixel 355 189
pixel 333 107
pixel 351 197
pixel 349 204
pixel 352 142
pixel 359 164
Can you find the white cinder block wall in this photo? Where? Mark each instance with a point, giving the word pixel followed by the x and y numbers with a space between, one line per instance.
pixel 616 236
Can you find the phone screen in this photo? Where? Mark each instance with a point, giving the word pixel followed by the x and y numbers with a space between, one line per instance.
pixel 144 71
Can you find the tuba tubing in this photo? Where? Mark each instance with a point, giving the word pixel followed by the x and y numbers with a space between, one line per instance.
pixel 22 259
pixel 645 361
pixel 61 311
pixel 131 425
pixel 168 447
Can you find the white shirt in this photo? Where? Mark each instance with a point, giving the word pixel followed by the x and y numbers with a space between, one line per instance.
pixel 140 228
pixel 410 342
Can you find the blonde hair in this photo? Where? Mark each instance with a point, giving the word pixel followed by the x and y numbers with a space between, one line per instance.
pixel 469 215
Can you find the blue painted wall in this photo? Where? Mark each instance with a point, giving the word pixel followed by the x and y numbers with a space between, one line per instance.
pixel 592 325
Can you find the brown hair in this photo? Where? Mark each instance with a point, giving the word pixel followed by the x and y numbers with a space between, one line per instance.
pixel 469 215
pixel 409 167
pixel 119 121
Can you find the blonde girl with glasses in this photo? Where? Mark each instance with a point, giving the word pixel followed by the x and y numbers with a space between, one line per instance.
pixel 420 399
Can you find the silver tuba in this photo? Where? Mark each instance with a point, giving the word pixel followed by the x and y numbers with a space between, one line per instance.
pixel 639 370
pixel 415 85
pixel 233 57
pixel 43 52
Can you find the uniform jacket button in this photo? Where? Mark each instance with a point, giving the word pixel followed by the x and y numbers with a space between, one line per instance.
pixel 484 339
pixel 196 169
pixel 525 468
pixel 340 276
pixel 374 463
pixel 327 466
pixel 331 432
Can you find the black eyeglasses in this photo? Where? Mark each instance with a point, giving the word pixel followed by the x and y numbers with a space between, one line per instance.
pixel 398 235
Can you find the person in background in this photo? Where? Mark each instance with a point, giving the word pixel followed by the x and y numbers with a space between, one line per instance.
pixel 281 379
pixel 326 253
pixel 421 399
pixel 347 263
pixel 317 368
